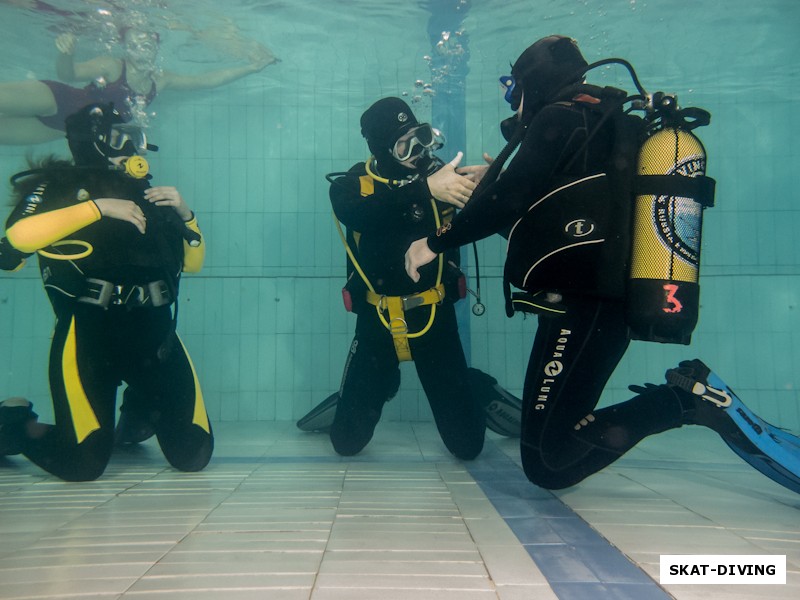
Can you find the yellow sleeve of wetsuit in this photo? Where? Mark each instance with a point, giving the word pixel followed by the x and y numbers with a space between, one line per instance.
pixel 194 256
pixel 39 231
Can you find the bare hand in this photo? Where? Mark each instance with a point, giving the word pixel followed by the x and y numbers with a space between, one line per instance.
pixel 168 196
pixel 448 186
pixel 418 255
pixel 124 210
pixel 66 43
pixel 476 172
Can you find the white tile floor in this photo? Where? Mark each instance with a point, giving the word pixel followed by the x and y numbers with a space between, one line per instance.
pixel 278 516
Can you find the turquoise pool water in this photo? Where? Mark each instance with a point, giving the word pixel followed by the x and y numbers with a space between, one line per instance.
pixel 264 321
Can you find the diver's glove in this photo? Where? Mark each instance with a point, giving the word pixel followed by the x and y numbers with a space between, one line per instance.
pixel 192 237
pixel 11 259
pixel 642 389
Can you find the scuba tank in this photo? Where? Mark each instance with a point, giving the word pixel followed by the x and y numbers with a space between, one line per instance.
pixel 663 297
pixel 647 250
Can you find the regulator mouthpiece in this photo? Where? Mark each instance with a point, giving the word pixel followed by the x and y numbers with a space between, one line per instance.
pixel 136 167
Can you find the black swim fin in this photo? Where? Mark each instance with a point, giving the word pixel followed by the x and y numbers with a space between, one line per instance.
pixel 503 409
pixel 771 450
pixel 320 418
pixel 14 413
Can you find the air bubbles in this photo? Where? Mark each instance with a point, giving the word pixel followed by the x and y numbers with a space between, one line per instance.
pixel 449 44
pixel 444 65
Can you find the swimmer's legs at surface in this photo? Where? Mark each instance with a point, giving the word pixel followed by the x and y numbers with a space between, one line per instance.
pixel 21 102
pixel 26 99
pixel 22 131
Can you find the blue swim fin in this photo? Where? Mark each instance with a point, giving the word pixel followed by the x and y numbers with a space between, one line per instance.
pixel 773 451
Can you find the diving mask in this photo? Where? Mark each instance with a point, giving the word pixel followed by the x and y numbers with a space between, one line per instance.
pixel 127 140
pixel 128 143
pixel 513 94
pixel 415 140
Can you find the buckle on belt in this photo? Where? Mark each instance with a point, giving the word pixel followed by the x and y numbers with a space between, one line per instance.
pixel 98 292
pixel 414 301
pixel 398 326
pixel 159 293
pixel 421 299
pixel 104 294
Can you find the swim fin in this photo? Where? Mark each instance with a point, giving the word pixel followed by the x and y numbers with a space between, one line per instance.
pixel 132 428
pixel 14 413
pixel 503 409
pixel 135 424
pixel 771 450
pixel 320 418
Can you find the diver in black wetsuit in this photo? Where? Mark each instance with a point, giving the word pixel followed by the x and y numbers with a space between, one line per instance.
pixel 400 193
pixel 564 161
pixel 111 250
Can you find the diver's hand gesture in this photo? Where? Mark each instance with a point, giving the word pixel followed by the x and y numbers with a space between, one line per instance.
pixel 448 186
pixel 476 172
pixel 166 195
pixel 124 210
pixel 418 255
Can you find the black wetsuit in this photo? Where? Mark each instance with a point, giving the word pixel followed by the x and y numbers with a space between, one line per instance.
pixel 387 221
pixel 114 323
pixel 564 439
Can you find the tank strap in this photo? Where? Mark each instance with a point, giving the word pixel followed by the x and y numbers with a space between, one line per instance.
pixel 700 188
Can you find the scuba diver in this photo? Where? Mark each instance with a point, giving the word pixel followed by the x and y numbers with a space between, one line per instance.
pixel 603 213
pixel 111 251
pixel 402 191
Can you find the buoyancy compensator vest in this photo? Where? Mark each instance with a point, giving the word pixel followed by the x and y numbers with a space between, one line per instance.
pixel 576 236
pixel 631 232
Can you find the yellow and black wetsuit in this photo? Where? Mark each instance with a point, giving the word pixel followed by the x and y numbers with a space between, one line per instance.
pixel 388 218
pixel 112 289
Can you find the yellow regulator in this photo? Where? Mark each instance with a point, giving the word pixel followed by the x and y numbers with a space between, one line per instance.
pixel 137 167
pixel 663 294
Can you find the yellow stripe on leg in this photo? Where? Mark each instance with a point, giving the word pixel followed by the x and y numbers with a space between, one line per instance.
pixel 83 418
pixel 200 417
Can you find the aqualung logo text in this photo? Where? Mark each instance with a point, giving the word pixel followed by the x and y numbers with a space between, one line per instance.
pixel 552 370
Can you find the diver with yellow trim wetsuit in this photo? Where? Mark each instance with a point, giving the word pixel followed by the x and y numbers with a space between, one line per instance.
pixel 403 191
pixel 111 250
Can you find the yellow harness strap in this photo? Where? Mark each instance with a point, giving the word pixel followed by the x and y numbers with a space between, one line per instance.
pixel 397 307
